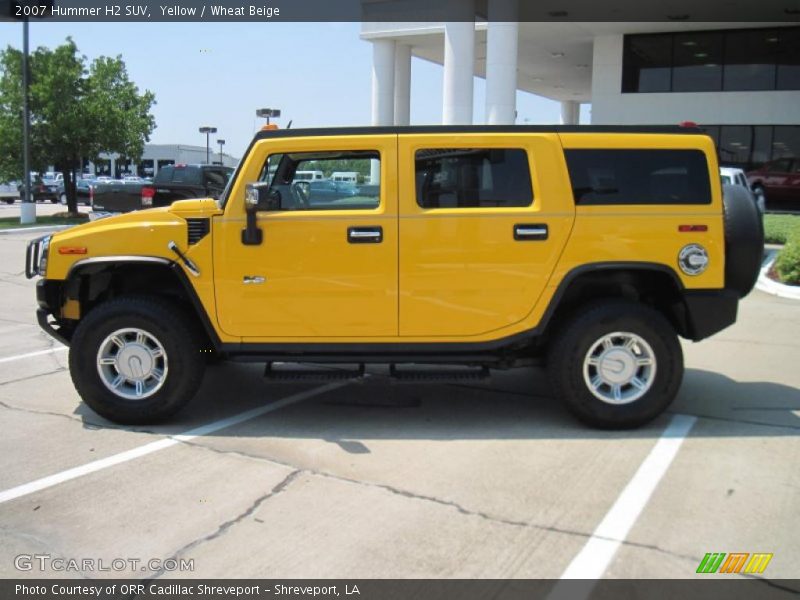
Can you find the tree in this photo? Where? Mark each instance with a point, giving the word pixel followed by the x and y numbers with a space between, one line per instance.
pixel 77 112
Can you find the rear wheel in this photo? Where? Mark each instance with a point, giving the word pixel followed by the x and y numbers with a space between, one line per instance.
pixel 136 360
pixel 616 365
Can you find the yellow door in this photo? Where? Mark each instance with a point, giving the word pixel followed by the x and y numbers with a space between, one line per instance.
pixel 326 269
pixel 483 219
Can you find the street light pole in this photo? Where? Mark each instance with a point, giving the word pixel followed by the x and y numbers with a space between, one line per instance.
pixel 208 131
pixel 221 144
pixel 266 113
pixel 28 209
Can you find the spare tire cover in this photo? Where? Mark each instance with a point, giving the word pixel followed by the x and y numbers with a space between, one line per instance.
pixel 744 239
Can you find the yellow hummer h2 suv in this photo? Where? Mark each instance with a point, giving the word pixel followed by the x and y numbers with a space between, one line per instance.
pixel 590 248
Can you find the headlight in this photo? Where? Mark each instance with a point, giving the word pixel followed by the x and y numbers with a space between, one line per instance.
pixel 42 266
pixel 36 256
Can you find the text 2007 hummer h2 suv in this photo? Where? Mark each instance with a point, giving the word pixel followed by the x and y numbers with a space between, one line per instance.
pixel 486 247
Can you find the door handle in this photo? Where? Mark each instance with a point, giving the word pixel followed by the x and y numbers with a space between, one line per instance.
pixel 365 235
pixel 530 232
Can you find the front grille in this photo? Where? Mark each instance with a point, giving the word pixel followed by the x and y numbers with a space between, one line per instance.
pixel 198 229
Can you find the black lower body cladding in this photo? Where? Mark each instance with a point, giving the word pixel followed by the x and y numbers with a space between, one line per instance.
pixel 744 240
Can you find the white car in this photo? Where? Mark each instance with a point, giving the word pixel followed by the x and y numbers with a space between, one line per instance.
pixel 736 176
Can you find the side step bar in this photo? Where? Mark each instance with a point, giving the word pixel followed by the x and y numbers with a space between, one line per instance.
pixel 310 374
pixel 455 373
pixel 280 371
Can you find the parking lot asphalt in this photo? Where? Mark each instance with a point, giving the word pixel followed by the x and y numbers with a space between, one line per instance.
pixel 378 480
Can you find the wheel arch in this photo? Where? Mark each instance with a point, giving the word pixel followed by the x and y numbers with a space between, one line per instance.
pixel 653 284
pixel 94 280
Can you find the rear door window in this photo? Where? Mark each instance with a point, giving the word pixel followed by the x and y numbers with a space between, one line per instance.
pixel 613 176
pixel 473 178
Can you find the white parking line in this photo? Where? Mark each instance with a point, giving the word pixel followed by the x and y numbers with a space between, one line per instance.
pixel 593 560
pixel 173 440
pixel 32 354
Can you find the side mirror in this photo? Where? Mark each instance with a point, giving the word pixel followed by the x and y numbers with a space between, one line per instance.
pixel 256 197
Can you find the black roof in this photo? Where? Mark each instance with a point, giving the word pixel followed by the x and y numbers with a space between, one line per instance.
pixel 330 131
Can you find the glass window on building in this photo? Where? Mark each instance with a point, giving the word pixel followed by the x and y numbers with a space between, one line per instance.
pixel 697 62
pixel 102 166
pixel 712 131
pixel 145 168
pixel 647 64
pixel 789 59
pixel 745 146
pixel 164 163
pixel 750 57
pixel 786 141
pixel 734 145
pixel 707 61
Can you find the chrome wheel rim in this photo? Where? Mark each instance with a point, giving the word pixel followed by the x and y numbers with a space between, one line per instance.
pixel 132 363
pixel 619 368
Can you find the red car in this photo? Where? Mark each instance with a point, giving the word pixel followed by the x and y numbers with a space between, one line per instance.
pixel 778 182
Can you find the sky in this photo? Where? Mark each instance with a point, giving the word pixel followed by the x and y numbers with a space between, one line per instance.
pixel 218 74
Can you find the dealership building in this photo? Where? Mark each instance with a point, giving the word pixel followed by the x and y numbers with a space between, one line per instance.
pixel 154 157
pixel 740 81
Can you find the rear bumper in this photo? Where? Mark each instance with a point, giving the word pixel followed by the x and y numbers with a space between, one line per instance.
pixel 708 312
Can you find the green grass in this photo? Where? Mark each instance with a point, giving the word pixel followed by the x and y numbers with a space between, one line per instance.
pixel 778 228
pixel 13 222
pixel 787 265
pixel 785 229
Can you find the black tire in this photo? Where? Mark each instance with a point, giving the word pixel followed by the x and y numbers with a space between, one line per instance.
pixel 8 200
pixel 157 318
pixel 573 342
pixel 744 239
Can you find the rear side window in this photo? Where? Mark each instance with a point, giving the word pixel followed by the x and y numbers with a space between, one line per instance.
pixel 473 178
pixel 186 175
pixel 639 176
pixel 217 177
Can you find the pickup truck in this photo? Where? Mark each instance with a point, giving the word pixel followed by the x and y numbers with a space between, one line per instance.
pixel 173 182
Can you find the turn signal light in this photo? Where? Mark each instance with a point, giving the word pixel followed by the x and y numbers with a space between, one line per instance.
pixel 690 228
pixel 73 250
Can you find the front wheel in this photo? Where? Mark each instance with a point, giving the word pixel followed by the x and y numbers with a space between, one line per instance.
pixel 616 364
pixel 136 360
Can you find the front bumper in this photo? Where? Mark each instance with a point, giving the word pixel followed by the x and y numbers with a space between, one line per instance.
pixel 48 297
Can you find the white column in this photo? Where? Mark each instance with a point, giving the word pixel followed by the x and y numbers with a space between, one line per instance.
pixel 383 52
pixel 459 68
pixel 501 63
pixel 383 82
pixel 570 112
pixel 402 84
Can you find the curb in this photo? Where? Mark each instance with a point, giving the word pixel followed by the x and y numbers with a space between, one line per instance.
pixel 42 228
pixel 765 284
